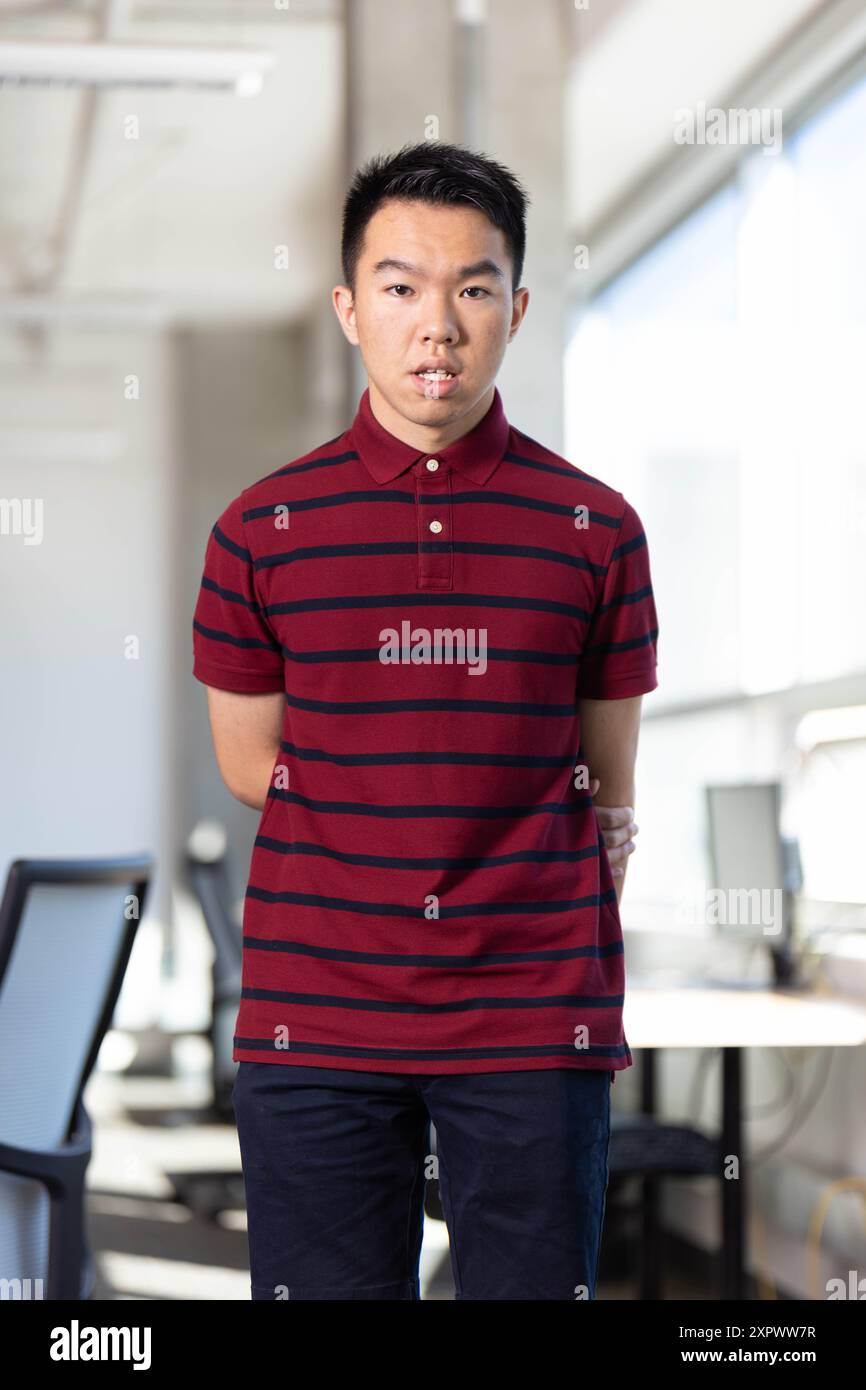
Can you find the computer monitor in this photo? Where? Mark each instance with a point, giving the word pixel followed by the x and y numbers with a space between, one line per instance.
pixel 751 869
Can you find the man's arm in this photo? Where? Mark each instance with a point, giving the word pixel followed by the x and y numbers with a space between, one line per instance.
pixel 246 732
pixel 609 735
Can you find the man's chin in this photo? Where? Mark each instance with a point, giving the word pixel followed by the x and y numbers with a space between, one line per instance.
pixel 426 408
pixel 438 392
pixel 430 410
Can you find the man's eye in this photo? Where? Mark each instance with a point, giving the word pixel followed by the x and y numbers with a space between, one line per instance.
pixel 480 288
pixel 398 287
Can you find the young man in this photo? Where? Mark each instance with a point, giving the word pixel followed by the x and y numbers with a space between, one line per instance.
pixel 418 640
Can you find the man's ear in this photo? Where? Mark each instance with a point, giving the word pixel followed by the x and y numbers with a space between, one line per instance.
pixel 344 307
pixel 520 303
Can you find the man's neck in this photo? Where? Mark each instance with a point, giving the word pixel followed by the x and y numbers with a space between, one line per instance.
pixel 427 438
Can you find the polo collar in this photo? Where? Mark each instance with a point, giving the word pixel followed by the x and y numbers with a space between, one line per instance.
pixel 475 455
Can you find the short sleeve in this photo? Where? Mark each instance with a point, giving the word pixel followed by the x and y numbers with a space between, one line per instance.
pixel 234 648
pixel 620 655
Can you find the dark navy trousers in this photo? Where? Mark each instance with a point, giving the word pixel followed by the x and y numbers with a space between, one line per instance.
pixel 335 1163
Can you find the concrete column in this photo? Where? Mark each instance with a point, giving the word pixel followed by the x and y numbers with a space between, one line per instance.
pixel 524 82
pixel 400 73
pixel 489 74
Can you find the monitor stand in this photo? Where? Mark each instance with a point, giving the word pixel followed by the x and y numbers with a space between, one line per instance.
pixel 785 974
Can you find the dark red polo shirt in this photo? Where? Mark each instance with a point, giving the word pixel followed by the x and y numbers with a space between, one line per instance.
pixel 429 891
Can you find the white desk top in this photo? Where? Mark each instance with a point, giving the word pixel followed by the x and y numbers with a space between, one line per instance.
pixel 700 1016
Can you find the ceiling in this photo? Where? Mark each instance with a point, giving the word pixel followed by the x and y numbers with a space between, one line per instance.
pixel 187 214
pixel 631 72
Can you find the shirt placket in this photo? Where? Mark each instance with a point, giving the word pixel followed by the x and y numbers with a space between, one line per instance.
pixel 433 509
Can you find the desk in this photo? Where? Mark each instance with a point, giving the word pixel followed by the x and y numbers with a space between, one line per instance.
pixel 698 1015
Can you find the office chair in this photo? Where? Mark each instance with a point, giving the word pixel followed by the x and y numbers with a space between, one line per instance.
pixel 67 928
pixel 207 1192
pixel 208 875
pixel 645 1147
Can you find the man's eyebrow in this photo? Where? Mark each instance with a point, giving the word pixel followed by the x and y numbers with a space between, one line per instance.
pixel 482 267
pixel 391 264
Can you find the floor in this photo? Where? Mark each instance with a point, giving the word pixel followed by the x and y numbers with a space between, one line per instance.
pixel 148 1242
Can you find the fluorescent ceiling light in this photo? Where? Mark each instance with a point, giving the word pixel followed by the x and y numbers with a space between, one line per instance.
pixel 239 70
pixel 61 444
pixel 83 311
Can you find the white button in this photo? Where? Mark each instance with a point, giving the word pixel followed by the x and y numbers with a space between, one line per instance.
pixel 436 527
pixel 432 464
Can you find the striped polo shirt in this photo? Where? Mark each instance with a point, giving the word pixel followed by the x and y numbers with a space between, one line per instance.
pixel 429 890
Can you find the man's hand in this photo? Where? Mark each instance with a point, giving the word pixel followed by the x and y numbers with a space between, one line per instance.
pixel 617 830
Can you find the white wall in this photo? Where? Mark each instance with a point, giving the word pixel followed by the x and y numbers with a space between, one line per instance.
pixel 86 722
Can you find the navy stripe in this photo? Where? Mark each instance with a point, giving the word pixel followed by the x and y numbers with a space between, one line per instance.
pixel 369 548
pixel 407 706
pixel 398 812
pixel 429 1054
pixel 564 470
pixel 529 552
pixel 503 499
pixel 569 470
pixel 633 642
pixel 418 911
pixel 334 499
pixel 303 466
pixel 329 462
pixel 474 759
pixel 634 597
pixel 514 499
pixel 230 595
pixel 373 654
pixel 434 962
pixel 458 1006
pixel 229 637
pixel 444 600
pixel 228 544
pixel 326 552
pixel 636 543
pixel 384 861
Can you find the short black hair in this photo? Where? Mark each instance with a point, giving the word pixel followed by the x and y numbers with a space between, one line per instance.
pixel 438 173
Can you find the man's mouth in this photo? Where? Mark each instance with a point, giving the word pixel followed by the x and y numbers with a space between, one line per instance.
pixel 436 382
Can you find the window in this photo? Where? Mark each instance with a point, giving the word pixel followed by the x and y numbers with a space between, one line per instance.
pixel 717 383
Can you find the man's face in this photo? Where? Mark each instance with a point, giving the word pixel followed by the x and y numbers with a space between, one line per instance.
pixel 433 285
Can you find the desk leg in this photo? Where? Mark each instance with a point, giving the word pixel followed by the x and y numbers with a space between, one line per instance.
pixel 650 1265
pixel 733 1189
